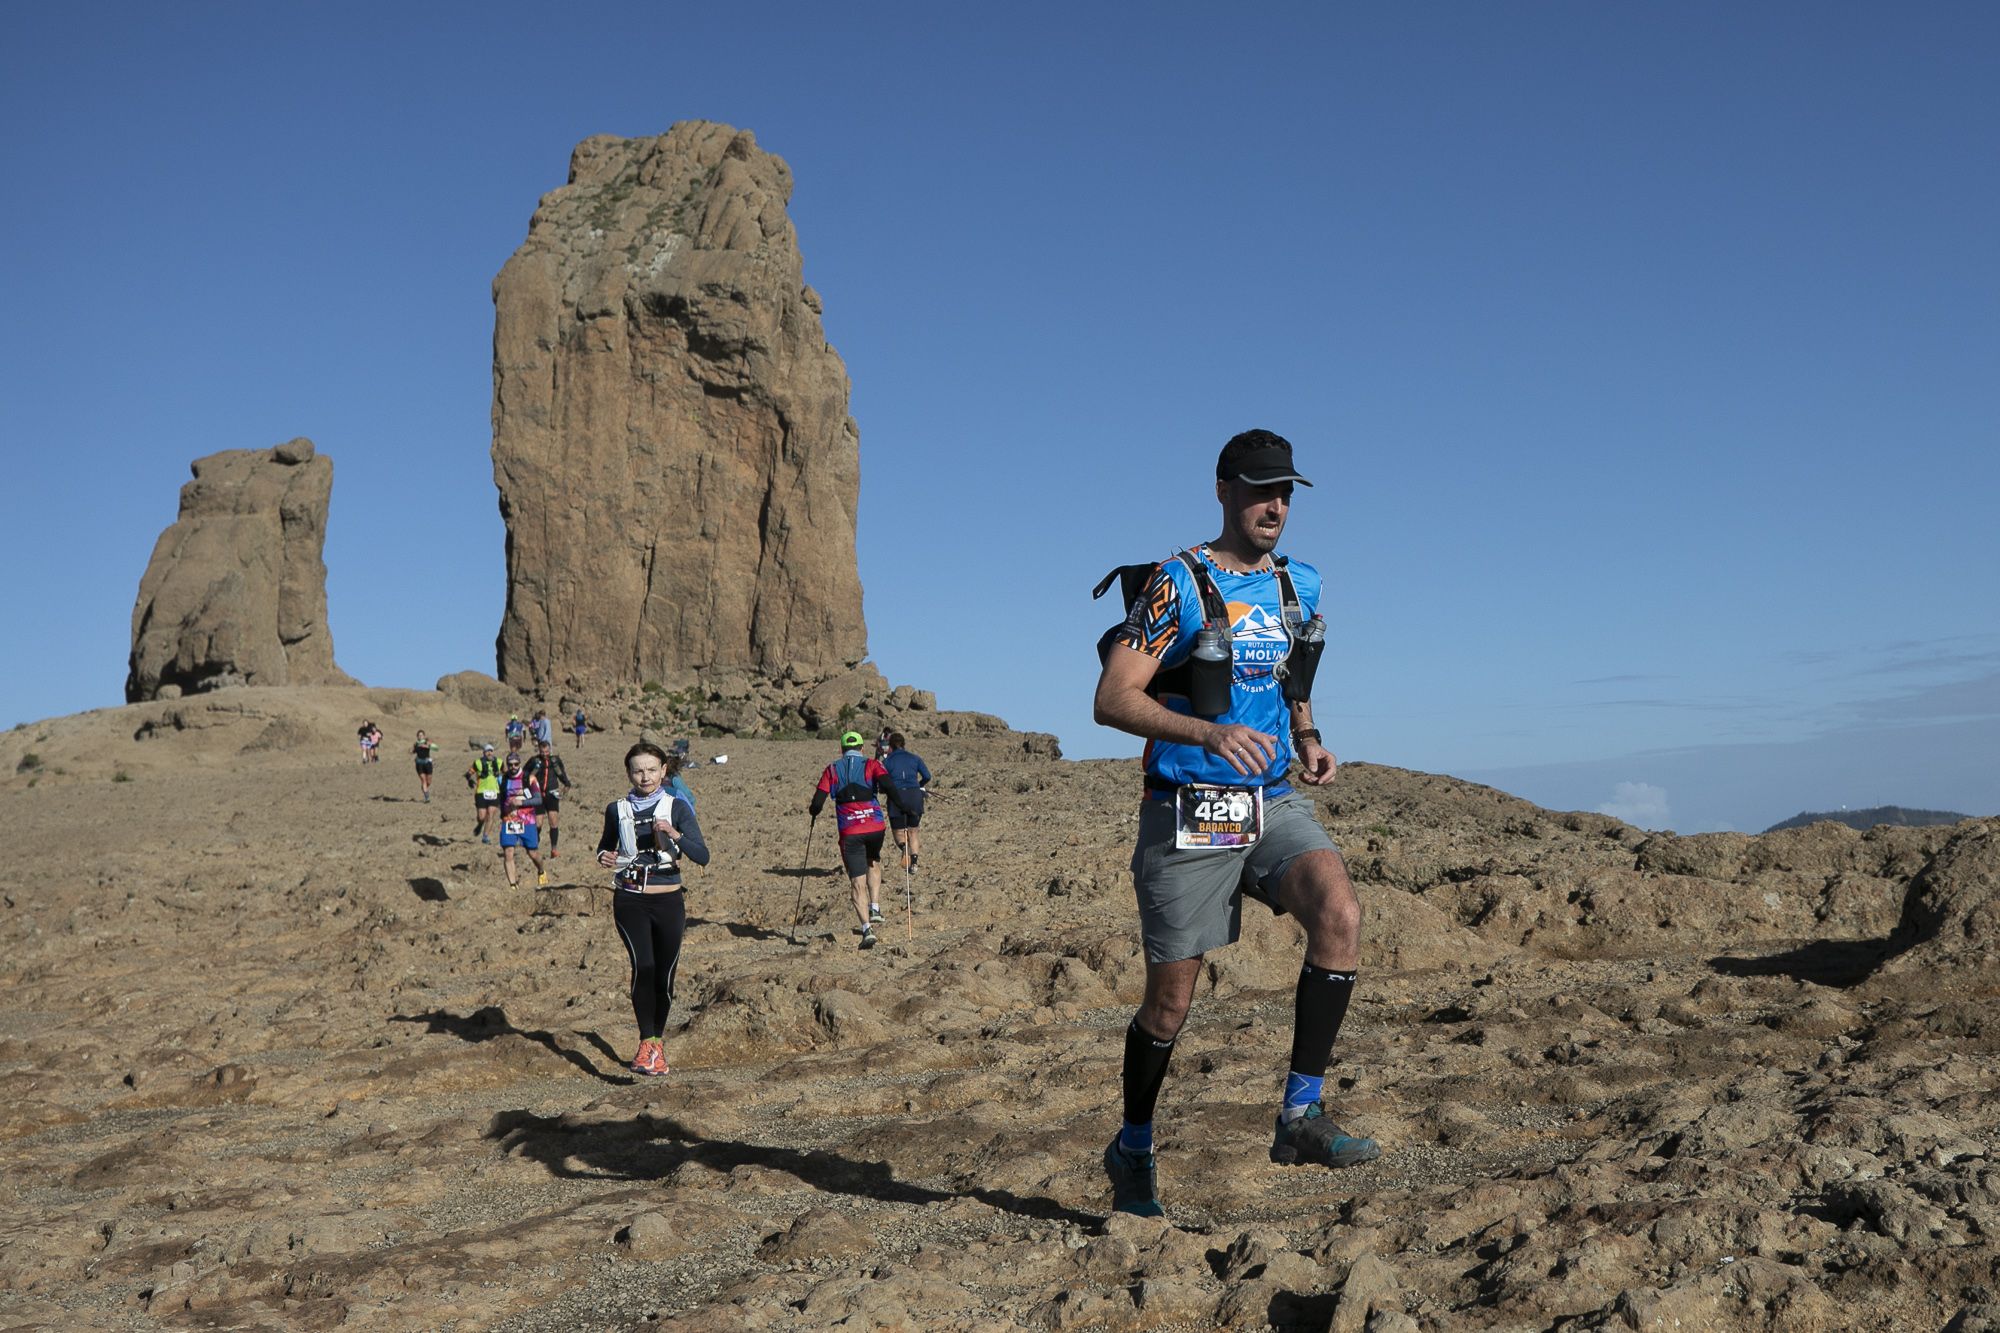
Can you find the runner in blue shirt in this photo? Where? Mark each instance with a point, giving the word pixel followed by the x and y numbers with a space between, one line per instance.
pixel 1219 820
pixel 913 779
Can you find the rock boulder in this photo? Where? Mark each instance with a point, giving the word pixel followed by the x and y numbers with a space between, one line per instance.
pixel 235 593
pixel 677 469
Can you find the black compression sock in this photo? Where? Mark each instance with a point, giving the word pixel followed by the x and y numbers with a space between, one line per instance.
pixel 1318 1006
pixel 555 838
pixel 1146 1059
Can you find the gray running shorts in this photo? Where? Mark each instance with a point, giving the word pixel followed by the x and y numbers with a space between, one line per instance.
pixel 1190 901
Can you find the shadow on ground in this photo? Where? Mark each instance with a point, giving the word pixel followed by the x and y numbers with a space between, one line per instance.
pixel 646 1148
pixel 1837 963
pixel 740 929
pixel 491 1022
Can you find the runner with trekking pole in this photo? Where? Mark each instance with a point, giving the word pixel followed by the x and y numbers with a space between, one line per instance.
pixel 853 781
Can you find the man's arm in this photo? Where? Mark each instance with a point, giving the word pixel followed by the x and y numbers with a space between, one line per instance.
pixel 1122 702
pixel 1316 763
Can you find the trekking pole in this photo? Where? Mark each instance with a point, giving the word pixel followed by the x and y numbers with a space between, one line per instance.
pixel 909 906
pixel 805 859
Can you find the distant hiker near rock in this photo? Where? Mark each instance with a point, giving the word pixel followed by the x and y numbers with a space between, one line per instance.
pixel 1213 665
pixel 646 833
pixel 483 777
pixel 517 733
pixel 520 824
pixel 676 774
pixel 546 769
pixel 579 724
pixel 913 779
pixel 538 728
pixel 853 781
pixel 235 593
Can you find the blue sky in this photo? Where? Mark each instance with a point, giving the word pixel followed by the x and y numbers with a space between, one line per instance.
pixel 1644 354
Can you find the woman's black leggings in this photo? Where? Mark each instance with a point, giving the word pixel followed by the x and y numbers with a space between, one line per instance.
pixel 651 924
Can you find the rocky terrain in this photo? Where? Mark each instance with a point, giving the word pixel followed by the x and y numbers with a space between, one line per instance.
pixel 281 1050
pixel 677 468
pixel 235 593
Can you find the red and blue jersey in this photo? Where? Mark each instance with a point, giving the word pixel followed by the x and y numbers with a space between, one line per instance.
pixel 852 781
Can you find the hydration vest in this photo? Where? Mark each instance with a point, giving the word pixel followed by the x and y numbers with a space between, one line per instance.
pixel 1214 611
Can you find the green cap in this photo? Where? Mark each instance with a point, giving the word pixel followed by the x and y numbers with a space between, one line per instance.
pixel 850 740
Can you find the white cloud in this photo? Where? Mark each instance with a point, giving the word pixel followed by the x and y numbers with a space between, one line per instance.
pixel 1639 804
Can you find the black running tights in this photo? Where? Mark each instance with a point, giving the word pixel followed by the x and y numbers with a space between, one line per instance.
pixel 651 924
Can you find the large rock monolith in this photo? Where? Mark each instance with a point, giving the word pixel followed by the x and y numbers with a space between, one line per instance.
pixel 677 469
pixel 235 593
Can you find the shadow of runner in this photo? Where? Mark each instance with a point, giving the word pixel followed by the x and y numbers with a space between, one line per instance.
pixel 1836 963
pixel 646 1147
pixel 491 1022
pixel 798 872
pixel 1825 961
pixel 740 929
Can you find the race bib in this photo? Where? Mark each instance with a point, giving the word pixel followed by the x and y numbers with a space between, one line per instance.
pixel 514 826
pixel 1209 817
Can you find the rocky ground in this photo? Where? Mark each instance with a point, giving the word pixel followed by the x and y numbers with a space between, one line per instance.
pixel 280 1048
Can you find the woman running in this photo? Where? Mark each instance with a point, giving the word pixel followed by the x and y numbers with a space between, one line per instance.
pixel 646 833
pixel 423 750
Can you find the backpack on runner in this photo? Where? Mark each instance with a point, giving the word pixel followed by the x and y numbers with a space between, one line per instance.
pixel 1305 637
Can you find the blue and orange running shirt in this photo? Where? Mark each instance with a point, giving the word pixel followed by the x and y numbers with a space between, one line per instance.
pixel 1162 624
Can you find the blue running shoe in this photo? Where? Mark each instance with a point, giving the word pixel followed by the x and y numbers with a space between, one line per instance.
pixel 1134 1188
pixel 1312 1139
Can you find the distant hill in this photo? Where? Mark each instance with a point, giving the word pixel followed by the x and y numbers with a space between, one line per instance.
pixel 1869 818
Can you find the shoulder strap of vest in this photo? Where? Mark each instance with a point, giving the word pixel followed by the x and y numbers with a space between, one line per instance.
pixel 1290 611
pixel 1213 609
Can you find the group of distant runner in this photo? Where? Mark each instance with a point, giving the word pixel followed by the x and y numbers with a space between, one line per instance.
pixel 1212 665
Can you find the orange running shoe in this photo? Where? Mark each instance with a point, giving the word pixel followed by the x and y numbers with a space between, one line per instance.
pixel 651 1061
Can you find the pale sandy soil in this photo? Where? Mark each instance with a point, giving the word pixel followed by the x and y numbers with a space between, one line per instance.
pixel 279 1048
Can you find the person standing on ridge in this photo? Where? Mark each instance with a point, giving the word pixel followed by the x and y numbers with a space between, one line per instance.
pixel 1213 667
pixel 647 832
pixel 912 778
pixel 423 750
pixel 484 779
pixel 520 800
pixel 675 782
pixel 853 781
pixel 546 768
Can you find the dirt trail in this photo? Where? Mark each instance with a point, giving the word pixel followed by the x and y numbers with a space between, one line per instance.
pixel 281 1049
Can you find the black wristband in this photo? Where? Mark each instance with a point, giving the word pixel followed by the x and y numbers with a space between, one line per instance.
pixel 1307 734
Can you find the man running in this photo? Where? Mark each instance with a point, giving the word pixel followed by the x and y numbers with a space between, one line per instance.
pixel 1201 845
pixel 520 800
pixel 545 767
pixel 517 733
pixel 423 750
pixel 484 779
pixel 913 779
pixel 853 780
pixel 580 725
